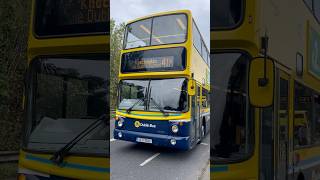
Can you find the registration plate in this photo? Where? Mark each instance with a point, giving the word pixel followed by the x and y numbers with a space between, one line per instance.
pixel 144 140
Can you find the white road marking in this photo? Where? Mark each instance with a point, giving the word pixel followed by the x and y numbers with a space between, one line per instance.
pixel 111 140
pixel 204 144
pixel 149 159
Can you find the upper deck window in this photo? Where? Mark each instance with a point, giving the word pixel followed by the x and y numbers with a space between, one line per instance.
pixel 309 4
pixel 226 14
pixel 316 7
pixel 196 38
pixel 72 17
pixel 168 29
pixel 199 44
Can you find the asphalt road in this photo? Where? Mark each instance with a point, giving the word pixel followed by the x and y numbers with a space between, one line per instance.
pixel 130 161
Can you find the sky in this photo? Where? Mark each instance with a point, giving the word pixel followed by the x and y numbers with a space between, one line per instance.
pixel 126 10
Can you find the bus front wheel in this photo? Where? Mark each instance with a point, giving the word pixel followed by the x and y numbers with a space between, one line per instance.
pixel 203 133
pixel 300 177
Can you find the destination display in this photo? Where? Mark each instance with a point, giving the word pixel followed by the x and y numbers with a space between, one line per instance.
pixel 64 17
pixel 151 63
pixel 172 59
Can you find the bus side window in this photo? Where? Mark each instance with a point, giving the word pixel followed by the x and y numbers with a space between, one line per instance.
pixel 204 98
pixel 302 116
pixel 316 118
pixel 198 94
pixel 204 101
pixel 306 116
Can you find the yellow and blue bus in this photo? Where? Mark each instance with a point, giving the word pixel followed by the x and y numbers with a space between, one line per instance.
pixel 66 128
pixel 265 90
pixel 163 82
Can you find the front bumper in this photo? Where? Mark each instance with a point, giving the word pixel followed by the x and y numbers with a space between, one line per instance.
pixel 182 143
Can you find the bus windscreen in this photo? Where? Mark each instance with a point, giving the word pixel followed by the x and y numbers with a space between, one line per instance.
pixel 71 17
pixel 171 59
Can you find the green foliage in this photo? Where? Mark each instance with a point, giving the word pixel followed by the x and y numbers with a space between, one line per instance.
pixel 116 41
pixel 8 170
pixel 3 86
pixel 14 15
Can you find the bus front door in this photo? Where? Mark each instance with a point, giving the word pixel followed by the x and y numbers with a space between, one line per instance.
pixel 198 121
pixel 195 132
pixel 282 127
pixel 274 133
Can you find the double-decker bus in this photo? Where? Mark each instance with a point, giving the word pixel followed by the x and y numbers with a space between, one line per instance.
pixel 163 82
pixel 265 70
pixel 66 128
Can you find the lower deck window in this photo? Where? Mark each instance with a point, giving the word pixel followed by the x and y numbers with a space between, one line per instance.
pixel 306 117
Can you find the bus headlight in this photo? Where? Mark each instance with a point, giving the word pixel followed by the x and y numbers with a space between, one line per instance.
pixel 120 122
pixel 174 128
pixel 120 135
pixel 173 142
pixel 21 177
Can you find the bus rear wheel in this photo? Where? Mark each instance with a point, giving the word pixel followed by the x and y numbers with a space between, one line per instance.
pixel 203 127
pixel 202 133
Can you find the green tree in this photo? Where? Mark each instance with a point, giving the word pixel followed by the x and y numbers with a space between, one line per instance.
pixel 116 41
pixel 14 15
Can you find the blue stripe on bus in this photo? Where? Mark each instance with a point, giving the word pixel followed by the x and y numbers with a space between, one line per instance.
pixel 303 165
pixel 219 169
pixel 69 165
pixel 308 163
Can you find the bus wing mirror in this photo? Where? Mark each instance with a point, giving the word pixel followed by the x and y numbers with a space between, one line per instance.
pixel 192 87
pixel 261 82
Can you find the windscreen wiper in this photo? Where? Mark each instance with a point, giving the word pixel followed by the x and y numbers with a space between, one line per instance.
pixel 159 107
pixel 134 105
pixel 58 157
